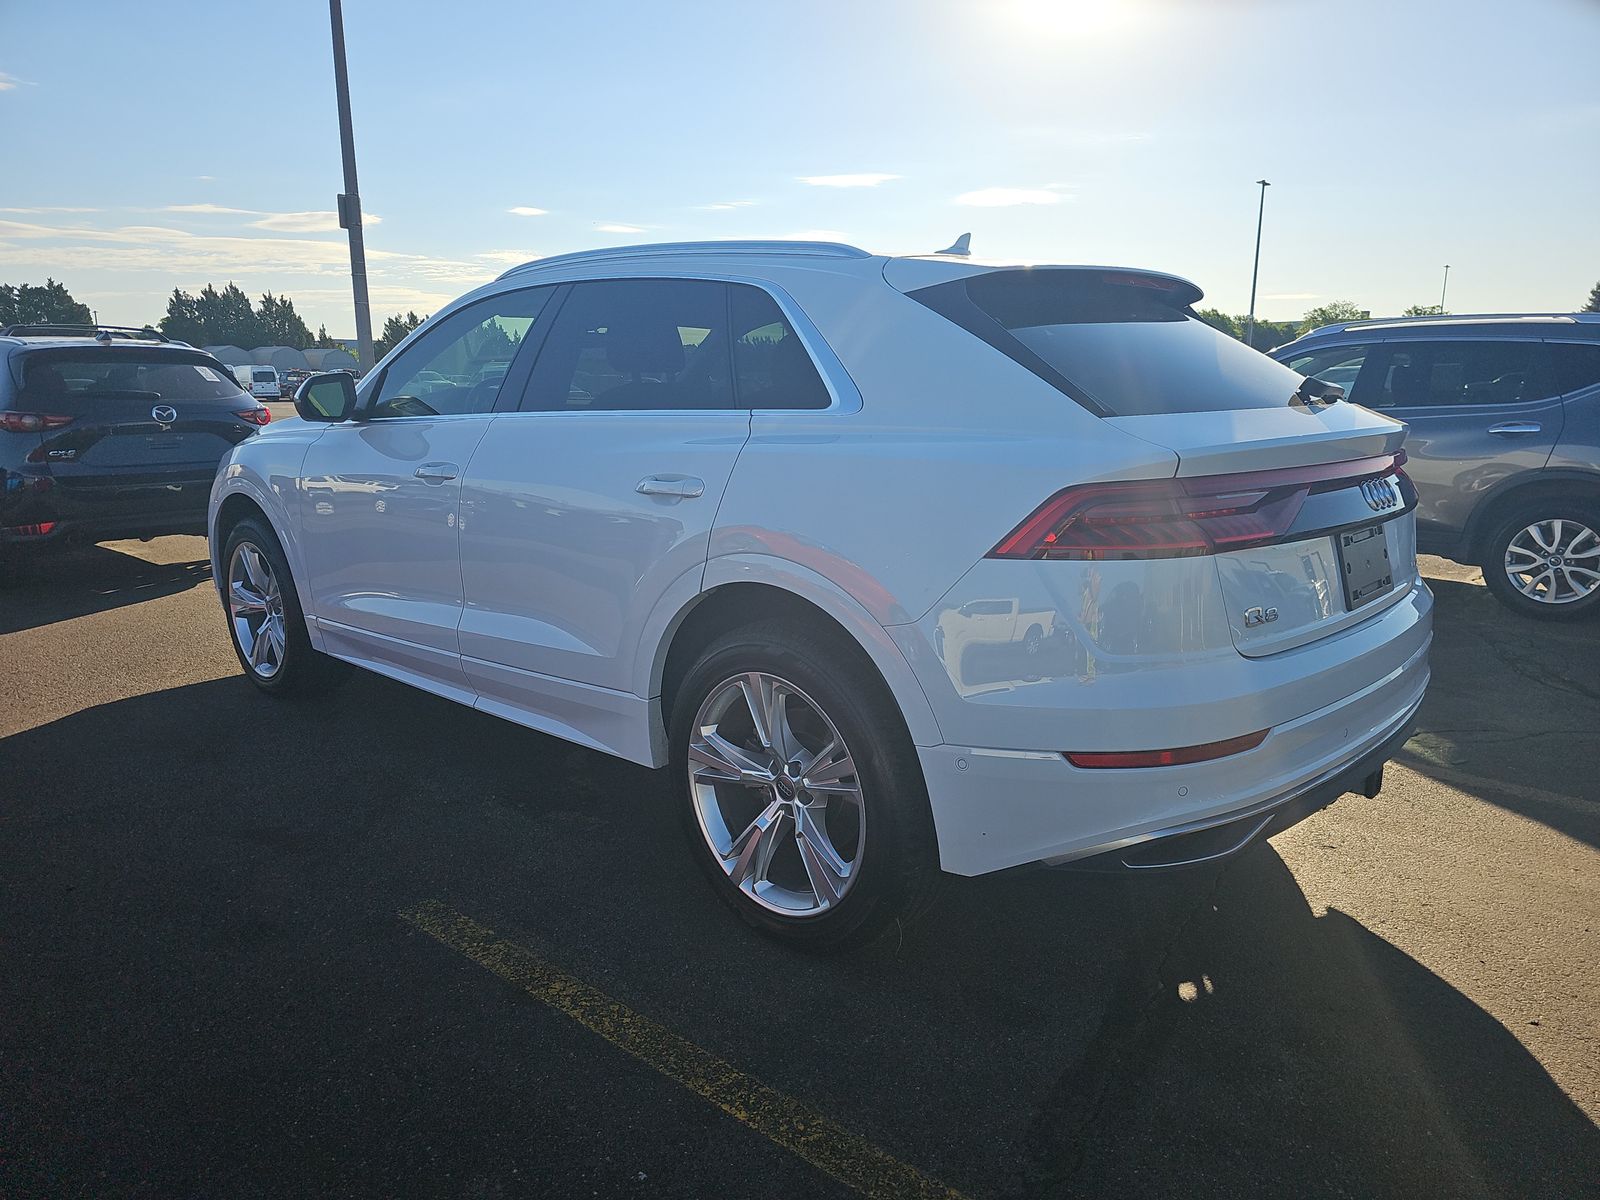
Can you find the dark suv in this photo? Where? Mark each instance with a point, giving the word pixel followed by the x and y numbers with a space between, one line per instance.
pixel 110 433
pixel 1504 442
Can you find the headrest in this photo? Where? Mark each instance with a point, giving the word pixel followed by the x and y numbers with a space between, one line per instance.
pixel 648 347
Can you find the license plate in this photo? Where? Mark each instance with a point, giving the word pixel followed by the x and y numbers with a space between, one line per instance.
pixel 1364 558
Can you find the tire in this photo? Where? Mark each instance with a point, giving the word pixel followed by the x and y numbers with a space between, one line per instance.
pixel 828 691
pixel 287 664
pixel 1518 536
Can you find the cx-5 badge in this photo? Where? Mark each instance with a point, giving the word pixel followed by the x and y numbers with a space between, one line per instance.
pixel 164 414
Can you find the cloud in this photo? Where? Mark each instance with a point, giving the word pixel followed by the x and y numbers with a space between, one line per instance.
pixel 10 83
pixel 509 258
pixel 207 208
pixel 49 208
pixel 619 228
pixel 725 205
pixel 522 210
pixel 865 179
pixel 286 222
pixel 1004 197
pixel 816 235
pixel 206 178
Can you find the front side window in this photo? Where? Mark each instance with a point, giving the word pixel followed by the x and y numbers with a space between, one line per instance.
pixel 1448 373
pixel 458 365
pixel 636 344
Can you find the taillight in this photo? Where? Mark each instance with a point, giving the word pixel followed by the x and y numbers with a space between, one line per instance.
pixel 1177 757
pixel 38 530
pixel 1173 518
pixel 259 415
pixel 21 422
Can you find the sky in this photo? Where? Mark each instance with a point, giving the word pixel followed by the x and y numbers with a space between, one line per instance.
pixel 180 143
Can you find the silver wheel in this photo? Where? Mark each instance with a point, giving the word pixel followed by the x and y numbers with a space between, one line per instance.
pixel 255 606
pixel 1555 561
pixel 776 794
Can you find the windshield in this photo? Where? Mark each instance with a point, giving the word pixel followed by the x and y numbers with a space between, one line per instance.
pixel 1125 344
pixel 92 374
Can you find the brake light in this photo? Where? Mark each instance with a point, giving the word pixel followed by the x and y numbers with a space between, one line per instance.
pixel 1178 757
pixel 32 530
pixel 21 422
pixel 259 415
pixel 1175 518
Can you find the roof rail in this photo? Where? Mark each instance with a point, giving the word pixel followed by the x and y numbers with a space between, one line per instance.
pixel 685 249
pixel 147 333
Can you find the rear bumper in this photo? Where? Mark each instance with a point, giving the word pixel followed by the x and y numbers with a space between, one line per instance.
pixel 103 508
pixel 995 809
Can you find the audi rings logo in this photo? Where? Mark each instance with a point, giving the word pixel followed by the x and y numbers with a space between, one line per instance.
pixel 1379 494
pixel 164 414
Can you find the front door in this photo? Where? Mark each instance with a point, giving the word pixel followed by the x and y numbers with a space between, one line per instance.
pixel 380 502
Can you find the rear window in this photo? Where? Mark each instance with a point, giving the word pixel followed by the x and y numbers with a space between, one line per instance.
pixel 111 374
pixel 264 375
pixel 1122 344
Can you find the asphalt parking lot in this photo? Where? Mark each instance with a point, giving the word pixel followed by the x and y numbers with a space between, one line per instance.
pixel 378 944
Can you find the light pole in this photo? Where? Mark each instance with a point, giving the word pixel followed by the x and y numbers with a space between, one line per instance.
pixel 350 199
pixel 1443 287
pixel 1255 271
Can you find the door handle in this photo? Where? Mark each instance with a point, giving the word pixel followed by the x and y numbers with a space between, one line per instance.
pixel 684 489
pixel 1513 428
pixel 436 472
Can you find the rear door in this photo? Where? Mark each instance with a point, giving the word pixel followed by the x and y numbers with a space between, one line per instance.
pixel 138 430
pixel 585 508
pixel 1479 410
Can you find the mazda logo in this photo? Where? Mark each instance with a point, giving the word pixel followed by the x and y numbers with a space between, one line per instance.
pixel 164 414
pixel 1379 494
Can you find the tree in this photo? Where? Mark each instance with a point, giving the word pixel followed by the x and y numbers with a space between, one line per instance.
pixel 1333 311
pixel 182 321
pixel 1424 310
pixel 394 331
pixel 1218 319
pixel 1594 300
pixel 280 324
pixel 48 303
pixel 324 342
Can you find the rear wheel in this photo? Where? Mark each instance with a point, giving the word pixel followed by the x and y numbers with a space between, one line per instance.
pixel 265 623
pixel 1543 560
pixel 803 798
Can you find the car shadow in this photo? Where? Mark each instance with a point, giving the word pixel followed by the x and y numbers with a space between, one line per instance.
pixel 1532 747
pixel 73 581
pixel 230 895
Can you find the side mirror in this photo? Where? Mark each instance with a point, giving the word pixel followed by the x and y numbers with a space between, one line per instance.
pixel 329 397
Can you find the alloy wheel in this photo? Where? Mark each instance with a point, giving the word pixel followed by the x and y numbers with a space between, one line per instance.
pixel 776 794
pixel 1556 561
pixel 255 606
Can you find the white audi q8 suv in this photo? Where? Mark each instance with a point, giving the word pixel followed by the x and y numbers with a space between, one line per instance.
pixel 901 565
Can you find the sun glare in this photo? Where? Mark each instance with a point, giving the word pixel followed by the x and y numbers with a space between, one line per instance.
pixel 1066 18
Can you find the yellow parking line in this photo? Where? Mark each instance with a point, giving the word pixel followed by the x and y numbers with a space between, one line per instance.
pixel 850 1159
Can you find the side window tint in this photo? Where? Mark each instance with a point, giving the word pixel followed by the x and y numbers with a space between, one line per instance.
pixel 771 366
pixel 1576 367
pixel 1437 374
pixel 1339 365
pixel 636 344
pixel 458 365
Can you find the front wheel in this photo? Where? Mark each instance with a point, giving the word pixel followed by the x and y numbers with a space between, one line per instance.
pixel 265 624
pixel 803 798
pixel 1544 560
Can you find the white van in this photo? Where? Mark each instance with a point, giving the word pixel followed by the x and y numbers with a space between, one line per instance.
pixel 260 382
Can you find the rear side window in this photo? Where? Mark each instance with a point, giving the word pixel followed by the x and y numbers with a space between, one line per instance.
pixel 1458 372
pixel 771 366
pixel 115 374
pixel 1576 366
pixel 636 344
pixel 1123 344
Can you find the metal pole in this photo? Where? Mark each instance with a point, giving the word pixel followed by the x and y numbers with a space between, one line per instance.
pixel 1255 271
pixel 350 201
pixel 1443 287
